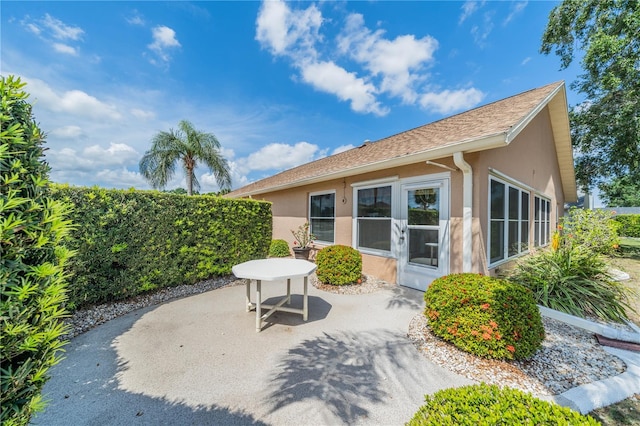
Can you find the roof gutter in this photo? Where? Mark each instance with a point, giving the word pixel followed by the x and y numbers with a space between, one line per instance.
pixel 467 210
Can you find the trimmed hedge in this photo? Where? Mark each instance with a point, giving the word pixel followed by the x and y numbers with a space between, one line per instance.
pixel 629 225
pixel 339 265
pixel 279 248
pixel 484 405
pixel 129 242
pixel 485 316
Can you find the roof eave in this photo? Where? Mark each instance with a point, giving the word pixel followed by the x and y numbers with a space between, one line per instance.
pixel 480 144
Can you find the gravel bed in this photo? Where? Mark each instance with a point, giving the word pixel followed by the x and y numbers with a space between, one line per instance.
pixel 569 357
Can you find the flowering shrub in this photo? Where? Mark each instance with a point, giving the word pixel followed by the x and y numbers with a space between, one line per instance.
pixel 302 236
pixel 484 404
pixel 339 265
pixel 593 230
pixel 484 316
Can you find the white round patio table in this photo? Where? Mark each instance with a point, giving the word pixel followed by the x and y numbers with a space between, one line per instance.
pixel 274 269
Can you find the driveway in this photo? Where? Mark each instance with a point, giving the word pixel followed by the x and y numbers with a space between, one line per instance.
pixel 199 361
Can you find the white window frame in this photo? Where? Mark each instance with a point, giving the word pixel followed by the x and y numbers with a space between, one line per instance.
pixel 377 183
pixel 543 236
pixel 521 189
pixel 319 193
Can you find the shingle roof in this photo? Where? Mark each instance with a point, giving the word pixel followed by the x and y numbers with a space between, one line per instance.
pixel 496 119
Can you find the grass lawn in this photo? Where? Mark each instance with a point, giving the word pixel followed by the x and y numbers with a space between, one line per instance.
pixel 626 412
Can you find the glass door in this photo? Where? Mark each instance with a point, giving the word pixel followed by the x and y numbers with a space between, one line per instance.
pixel 424 250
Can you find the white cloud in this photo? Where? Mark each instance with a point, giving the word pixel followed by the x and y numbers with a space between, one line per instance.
pixel 68 132
pixel 526 60
pixel 93 158
pixel 273 157
pixel 65 48
pixel 288 32
pixel 141 114
pixel 60 30
pixel 481 31
pixel 164 38
pixel 72 101
pixel 468 9
pixel 50 29
pixel 121 178
pixel 395 67
pixel 448 101
pixel 342 148
pixel 135 19
pixel 398 61
pixel 329 77
pixel 516 9
pixel 280 156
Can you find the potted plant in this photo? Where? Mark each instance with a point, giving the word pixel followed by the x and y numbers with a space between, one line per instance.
pixel 303 238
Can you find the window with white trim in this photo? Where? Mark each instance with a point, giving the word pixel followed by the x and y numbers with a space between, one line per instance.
pixel 374 218
pixel 508 220
pixel 542 214
pixel 322 216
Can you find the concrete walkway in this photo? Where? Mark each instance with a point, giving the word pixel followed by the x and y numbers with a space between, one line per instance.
pixel 199 361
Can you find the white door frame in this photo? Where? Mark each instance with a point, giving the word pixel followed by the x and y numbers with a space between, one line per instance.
pixel 412 274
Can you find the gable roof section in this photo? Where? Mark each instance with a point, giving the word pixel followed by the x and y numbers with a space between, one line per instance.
pixel 490 126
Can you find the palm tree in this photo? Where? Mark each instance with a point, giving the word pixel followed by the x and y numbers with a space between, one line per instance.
pixel 189 146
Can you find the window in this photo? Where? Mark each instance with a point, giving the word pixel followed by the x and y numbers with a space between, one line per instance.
pixel 508 220
pixel 542 213
pixel 374 218
pixel 322 216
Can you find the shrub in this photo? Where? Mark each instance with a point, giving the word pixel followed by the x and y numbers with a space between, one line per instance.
pixel 339 265
pixel 129 242
pixel 594 230
pixel 279 248
pixel 571 279
pixel 32 229
pixel 485 316
pixel 483 404
pixel 629 225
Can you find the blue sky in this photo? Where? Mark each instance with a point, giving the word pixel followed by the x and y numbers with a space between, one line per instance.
pixel 279 84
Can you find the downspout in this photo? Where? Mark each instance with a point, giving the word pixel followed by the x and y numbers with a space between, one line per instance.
pixel 467 210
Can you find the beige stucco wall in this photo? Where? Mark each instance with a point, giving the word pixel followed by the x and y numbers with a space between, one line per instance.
pixel 529 159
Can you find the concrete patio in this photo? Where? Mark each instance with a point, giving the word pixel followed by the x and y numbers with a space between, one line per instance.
pixel 199 360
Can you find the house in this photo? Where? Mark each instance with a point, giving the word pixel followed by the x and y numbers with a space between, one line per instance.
pixel 468 193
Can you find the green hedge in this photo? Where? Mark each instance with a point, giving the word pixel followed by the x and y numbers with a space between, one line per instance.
pixel 629 225
pixel 489 405
pixel 130 242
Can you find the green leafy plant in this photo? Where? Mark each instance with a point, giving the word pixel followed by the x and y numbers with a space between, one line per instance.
pixel 33 228
pixel 572 279
pixel 593 230
pixel 485 316
pixel 279 248
pixel 339 265
pixel 629 225
pixel 302 236
pixel 484 405
pixel 129 242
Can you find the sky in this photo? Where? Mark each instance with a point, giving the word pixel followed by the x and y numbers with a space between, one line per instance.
pixel 279 84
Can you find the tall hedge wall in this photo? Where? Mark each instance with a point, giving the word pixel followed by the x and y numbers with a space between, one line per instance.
pixel 129 242
pixel 629 225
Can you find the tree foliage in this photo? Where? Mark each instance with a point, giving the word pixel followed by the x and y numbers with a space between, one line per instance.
pixel 605 129
pixel 189 147
pixel 32 260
